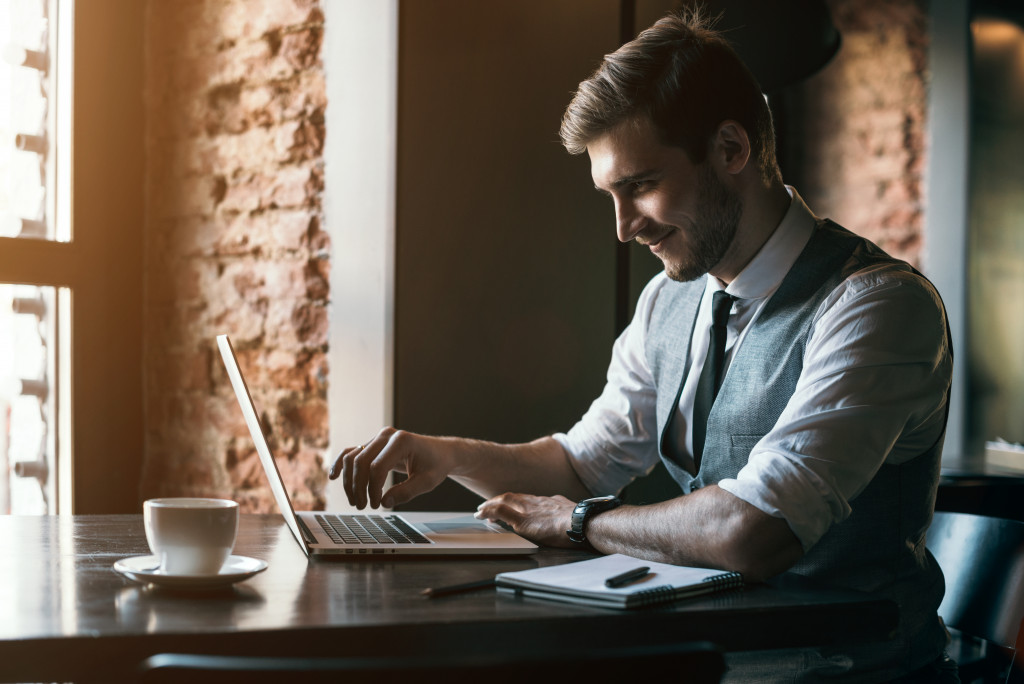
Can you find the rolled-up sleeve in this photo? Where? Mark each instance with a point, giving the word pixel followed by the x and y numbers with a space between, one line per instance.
pixel 616 439
pixel 873 390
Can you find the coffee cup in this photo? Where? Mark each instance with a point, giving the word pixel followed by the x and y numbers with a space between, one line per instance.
pixel 191 536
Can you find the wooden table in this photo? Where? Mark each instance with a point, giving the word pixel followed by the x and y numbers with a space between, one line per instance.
pixel 66 615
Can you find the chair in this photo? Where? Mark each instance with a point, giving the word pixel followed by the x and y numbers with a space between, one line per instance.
pixel 700 662
pixel 982 560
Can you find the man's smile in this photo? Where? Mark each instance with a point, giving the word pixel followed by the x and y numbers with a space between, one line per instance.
pixel 654 242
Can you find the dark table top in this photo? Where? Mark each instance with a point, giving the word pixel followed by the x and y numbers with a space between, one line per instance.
pixel 974 484
pixel 65 614
pixel 977 466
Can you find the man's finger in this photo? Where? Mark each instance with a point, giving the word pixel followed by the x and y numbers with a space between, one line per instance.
pixel 346 475
pixel 339 462
pixel 419 482
pixel 360 468
pixel 503 507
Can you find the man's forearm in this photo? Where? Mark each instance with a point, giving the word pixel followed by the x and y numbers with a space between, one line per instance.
pixel 540 467
pixel 709 528
pixel 487 468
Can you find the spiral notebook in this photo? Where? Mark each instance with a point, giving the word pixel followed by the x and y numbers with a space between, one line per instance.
pixel 584 582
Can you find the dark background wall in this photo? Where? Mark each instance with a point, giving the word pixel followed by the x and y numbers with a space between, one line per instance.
pixel 505 262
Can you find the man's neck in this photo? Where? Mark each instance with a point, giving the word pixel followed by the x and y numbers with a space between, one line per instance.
pixel 763 211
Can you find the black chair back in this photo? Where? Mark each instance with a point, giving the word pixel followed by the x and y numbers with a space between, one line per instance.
pixel 696 663
pixel 982 560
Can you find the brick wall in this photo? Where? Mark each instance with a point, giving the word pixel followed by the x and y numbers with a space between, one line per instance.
pixel 854 133
pixel 235 103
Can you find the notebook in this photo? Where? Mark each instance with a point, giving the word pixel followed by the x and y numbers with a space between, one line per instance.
pixel 377 535
pixel 584 582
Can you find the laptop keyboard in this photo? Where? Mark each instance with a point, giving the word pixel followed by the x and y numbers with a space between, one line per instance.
pixel 369 529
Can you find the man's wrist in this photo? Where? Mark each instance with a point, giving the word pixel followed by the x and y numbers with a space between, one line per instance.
pixel 582 514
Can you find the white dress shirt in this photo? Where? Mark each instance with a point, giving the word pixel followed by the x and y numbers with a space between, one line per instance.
pixel 872 389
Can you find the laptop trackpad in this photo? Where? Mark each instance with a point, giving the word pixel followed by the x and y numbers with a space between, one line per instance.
pixel 459 526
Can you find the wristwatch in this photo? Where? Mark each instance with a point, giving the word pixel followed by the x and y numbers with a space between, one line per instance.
pixel 584 511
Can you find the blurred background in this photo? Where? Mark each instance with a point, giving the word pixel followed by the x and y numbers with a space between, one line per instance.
pixel 370 198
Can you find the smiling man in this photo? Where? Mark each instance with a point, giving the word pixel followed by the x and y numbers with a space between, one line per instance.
pixel 792 376
pixel 683 212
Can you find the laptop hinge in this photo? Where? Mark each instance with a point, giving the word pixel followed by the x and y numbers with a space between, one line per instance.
pixel 310 538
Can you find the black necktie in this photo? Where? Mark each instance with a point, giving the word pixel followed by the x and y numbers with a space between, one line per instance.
pixel 711 374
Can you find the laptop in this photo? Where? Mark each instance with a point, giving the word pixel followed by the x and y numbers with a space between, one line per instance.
pixel 381 534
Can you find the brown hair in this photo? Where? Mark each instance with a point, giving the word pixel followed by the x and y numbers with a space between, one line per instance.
pixel 686 78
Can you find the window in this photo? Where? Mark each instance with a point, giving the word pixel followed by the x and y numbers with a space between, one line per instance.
pixel 973 248
pixel 995 241
pixel 362 51
pixel 34 206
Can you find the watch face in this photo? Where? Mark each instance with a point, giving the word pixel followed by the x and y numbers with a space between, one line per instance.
pixel 584 510
pixel 599 499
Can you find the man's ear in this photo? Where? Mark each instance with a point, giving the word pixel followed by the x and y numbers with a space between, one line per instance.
pixel 731 146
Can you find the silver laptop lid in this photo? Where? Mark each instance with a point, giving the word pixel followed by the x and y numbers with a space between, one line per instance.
pixel 259 439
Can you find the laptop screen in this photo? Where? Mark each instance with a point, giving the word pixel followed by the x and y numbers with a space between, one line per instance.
pixel 258 438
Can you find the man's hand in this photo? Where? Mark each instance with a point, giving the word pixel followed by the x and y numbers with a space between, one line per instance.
pixel 541 519
pixel 364 469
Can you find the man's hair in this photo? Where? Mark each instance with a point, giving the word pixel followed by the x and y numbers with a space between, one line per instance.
pixel 687 79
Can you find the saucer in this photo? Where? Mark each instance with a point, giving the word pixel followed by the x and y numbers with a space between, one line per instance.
pixel 146 569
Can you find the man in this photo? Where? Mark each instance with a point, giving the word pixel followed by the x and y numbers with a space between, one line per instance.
pixel 792 376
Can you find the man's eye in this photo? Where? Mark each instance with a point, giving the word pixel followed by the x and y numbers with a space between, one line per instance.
pixel 640 186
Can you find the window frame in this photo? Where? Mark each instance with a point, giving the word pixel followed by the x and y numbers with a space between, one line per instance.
pixel 944 260
pixel 102 265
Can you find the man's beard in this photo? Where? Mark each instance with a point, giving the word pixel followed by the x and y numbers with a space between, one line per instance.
pixel 718 215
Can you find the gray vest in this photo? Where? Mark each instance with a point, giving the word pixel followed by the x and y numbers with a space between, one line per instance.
pixel 880 546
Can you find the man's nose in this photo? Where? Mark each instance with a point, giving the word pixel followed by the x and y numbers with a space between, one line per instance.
pixel 628 221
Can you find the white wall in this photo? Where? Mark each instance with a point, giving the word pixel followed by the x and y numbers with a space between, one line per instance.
pixel 361 65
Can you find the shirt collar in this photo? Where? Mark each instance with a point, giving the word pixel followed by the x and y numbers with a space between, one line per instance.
pixel 765 272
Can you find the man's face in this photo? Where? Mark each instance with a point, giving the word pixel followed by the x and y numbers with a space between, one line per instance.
pixel 681 211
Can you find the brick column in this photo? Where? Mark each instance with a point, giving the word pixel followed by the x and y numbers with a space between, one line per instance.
pixel 853 135
pixel 235 103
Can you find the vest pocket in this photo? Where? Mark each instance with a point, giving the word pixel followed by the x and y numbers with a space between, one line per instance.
pixel 747 442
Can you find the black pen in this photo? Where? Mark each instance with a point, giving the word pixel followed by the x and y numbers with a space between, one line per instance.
pixel 627 577
pixel 434 592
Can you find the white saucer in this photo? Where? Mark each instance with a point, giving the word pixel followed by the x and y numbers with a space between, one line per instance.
pixel 146 569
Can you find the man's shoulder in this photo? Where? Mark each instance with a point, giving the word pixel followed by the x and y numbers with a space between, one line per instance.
pixel 883 274
pixel 892 281
pixel 868 267
pixel 863 253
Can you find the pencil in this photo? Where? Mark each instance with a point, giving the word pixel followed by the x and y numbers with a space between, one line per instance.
pixel 435 592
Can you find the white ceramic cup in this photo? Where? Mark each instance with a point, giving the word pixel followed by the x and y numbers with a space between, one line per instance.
pixel 191 536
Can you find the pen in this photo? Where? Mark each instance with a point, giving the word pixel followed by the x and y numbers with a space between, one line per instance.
pixel 434 592
pixel 627 577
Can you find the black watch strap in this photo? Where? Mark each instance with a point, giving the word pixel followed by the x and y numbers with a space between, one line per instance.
pixel 584 511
